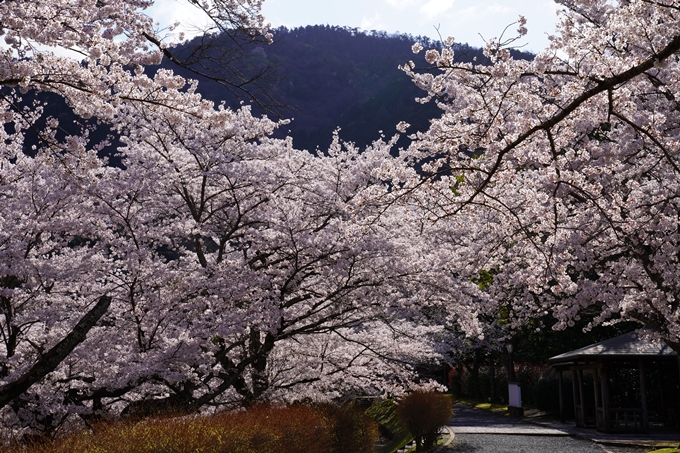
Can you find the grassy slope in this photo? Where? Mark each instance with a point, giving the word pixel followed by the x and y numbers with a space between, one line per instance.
pixel 385 415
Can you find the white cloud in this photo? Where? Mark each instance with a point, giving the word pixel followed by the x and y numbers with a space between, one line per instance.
pixel 167 12
pixel 372 23
pixel 464 19
pixel 402 4
pixel 434 8
pixel 497 8
pixel 468 13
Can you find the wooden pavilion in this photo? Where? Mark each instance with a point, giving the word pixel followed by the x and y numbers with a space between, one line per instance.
pixel 624 384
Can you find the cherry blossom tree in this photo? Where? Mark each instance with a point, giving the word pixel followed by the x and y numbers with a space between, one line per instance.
pixel 233 246
pixel 214 266
pixel 560 174
pixel 58 280
pixel 240 270
pixel 53 291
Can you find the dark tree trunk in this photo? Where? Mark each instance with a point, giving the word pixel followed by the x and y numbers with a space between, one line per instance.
pixel 492 373
pixel 52 358
pixel 260 351
pixel 475 375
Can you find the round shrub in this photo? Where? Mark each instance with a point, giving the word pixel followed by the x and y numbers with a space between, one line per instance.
pixel 424 414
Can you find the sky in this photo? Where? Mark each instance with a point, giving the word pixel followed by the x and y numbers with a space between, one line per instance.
pixel 465 20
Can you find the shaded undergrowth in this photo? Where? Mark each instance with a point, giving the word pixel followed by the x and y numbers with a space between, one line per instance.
pixel 385 414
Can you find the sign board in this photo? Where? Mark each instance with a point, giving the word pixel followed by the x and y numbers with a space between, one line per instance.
pixel 514 394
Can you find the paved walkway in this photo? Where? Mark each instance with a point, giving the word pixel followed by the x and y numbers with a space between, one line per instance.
pixel 468 420
pixel 660 439
pixel 505 443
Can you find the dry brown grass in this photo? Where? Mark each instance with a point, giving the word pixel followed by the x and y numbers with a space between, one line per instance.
pixel 264 429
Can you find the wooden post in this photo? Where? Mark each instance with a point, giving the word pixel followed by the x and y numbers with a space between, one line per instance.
pixel 559 380
pixel 582 397
pixel 643 396
pixel 574 379
pixel 599 419
pixel 662 388
pixel 604 381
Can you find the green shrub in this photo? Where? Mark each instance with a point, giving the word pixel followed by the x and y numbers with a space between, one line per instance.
pixel 528 375
pixel 547 397
pixel 424 414
pixel 462 383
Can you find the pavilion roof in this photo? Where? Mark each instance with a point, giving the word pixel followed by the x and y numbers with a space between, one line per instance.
pixel 631 345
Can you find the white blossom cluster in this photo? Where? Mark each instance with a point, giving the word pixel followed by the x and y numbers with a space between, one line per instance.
pixel 560 175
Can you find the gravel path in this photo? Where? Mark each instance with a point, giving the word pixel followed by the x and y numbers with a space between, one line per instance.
pixel 478 431
pixel 500 443
pixel 469 420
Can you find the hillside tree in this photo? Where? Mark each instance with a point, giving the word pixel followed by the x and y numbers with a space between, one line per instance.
pixel 561 174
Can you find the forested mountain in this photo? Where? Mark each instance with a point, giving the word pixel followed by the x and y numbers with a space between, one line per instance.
pixel 334 77
pixel 330 77
pixel 320 77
